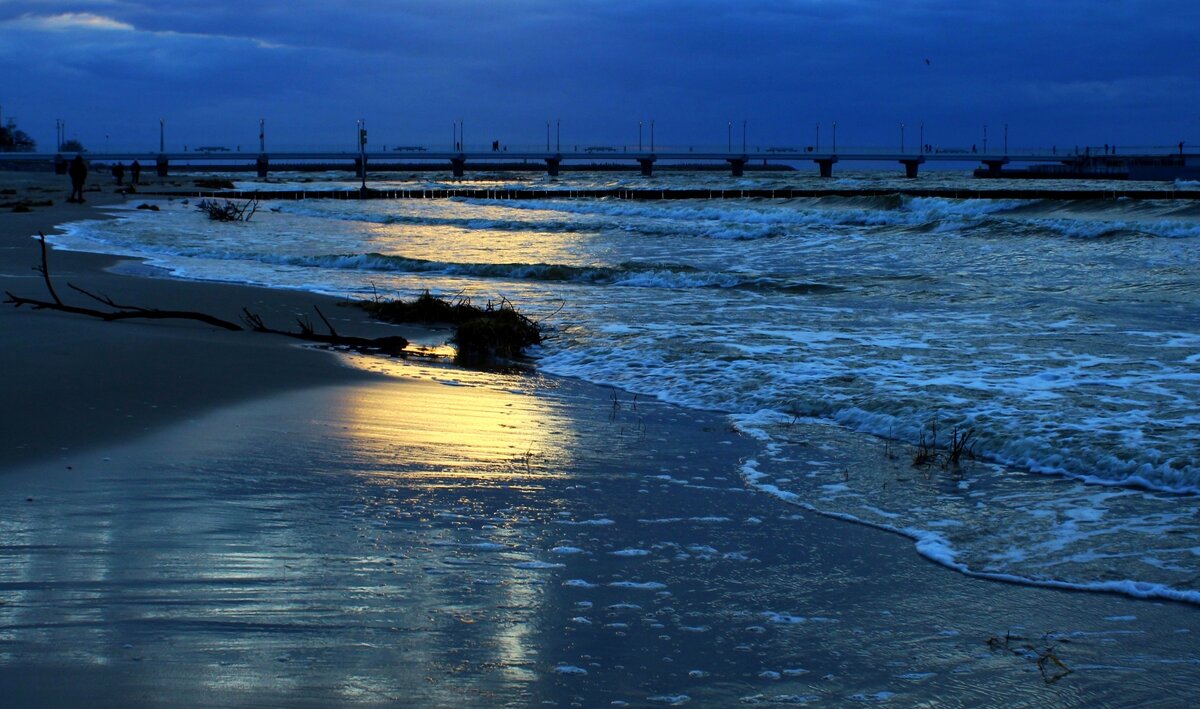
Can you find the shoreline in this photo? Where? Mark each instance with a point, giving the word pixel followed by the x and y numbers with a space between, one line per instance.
pixel 133 419
pixel 305 366
pixel 77 381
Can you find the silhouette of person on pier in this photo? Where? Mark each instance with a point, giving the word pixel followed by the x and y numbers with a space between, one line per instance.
pixel 118 173
pixel 78 172
pixel 136 173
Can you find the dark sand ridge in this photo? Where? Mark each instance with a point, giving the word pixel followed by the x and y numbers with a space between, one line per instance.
pixel 70 381
pixel 389 541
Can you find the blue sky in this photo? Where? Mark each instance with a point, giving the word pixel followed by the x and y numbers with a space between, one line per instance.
pixel 1057 72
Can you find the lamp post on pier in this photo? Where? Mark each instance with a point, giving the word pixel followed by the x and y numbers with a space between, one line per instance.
pixel 729 136
pixel 162 132
pixel 901 138
pixel 835 137
pixel 262 135
pixel 639 136
pixel 922 150
pixel 651 135
pixel 362 152
pixel 985 138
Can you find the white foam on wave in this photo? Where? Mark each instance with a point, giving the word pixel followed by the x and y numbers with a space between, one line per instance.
pixel 935 547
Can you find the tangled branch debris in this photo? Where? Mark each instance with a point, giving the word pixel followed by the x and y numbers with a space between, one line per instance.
pixel 393 345
pixel 961 446
pixel 1048 663
pixel 228 211
pixel 496 331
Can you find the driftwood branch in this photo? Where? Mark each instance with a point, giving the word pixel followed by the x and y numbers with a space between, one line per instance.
pixel 393 345
pixel 229 211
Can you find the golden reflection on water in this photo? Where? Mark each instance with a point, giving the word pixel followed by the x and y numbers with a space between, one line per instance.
pixel 543 240
pixel 454 427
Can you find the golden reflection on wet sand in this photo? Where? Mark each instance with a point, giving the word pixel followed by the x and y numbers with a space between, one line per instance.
pixel 455 427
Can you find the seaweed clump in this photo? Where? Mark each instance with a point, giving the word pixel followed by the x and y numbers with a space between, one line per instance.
pixel 495 331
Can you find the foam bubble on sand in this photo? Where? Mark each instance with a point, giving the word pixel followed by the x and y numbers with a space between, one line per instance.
pixel 877 697
pixel 578 583
pixel 569 670
pixel 673 700
pixel 566 550
pixel 599 522
pixel 638 585
pixel 779 699
pixel 789 619
pixel 630 552
pixel 539 565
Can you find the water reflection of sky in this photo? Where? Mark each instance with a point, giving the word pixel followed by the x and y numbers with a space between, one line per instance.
pixel 360 545
pixel 319 548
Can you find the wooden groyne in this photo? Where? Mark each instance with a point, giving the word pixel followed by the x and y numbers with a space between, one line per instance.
pixel 677 194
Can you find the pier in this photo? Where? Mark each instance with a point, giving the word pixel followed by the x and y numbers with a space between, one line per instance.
pixel 1158 165
pixel 669 194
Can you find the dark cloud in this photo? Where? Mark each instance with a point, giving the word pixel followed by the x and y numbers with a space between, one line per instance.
pixel 1060 72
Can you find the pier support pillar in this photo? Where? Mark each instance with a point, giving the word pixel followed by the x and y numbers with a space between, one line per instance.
pixel 160 165
pixel 458 164
pixel 647 166
pixel 552 166
pixel 60 165
pixel 738 165
pixel 910 166
pixel 993 166
pixel 263 164
pixel 826 166
pixel 360 167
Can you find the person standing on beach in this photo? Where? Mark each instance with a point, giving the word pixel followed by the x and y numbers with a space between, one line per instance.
pixel 78 172
pixel 136 172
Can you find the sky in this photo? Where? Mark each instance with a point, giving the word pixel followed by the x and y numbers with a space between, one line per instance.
pixel 1055 72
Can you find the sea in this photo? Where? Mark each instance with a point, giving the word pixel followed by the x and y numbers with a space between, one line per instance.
pixel 856 340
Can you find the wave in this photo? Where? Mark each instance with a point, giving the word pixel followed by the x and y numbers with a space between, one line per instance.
pixel 1097 229
pixel 747 220
pixel 629 274
pixel 934 546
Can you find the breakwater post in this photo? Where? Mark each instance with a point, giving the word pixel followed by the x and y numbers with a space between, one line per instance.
pixel 910 166
pixel 826 166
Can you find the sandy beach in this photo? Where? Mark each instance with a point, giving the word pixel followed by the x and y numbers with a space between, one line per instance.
pixel 196 517
pixel 84 381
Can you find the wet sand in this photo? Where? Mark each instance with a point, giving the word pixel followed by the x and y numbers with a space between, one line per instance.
pixel 190 517
pixel 72 381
